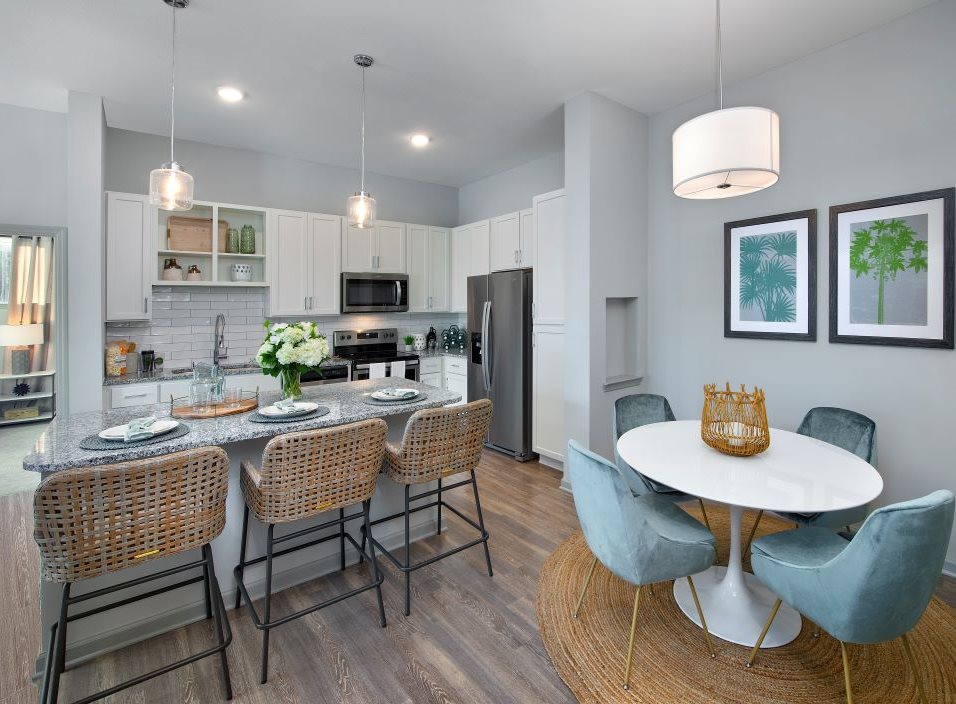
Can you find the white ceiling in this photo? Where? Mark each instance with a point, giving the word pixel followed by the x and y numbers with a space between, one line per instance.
pixel 487 79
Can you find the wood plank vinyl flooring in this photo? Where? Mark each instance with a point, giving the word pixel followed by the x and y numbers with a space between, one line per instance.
pixel 470 638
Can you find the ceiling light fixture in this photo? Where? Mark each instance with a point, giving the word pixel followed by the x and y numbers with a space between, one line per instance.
pixel 361 206
pixel 727 152
pixel 420 140
pixel 230 94
pixel 170 187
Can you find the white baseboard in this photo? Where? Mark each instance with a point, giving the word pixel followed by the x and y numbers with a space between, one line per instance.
pixel 137 631
pixel 949 569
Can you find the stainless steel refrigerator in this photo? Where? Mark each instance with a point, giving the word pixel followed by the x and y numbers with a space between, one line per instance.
pixel 499 357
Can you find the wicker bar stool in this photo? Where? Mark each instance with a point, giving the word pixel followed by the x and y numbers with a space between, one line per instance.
pixel 438 443
pixel 94 521
pixel 302 475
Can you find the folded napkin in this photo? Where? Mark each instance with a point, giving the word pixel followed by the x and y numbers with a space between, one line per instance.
pixel 286 405
pixel 376 370
pixel 139 429
pixel 397 369
pixel 399 393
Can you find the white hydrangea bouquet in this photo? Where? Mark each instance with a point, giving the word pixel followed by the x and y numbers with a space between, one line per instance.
pixel 289 350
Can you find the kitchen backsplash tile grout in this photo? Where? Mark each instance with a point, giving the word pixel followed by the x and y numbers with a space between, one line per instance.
pixel 182 325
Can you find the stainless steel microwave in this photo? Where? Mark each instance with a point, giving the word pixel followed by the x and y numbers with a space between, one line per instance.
pixel 374 293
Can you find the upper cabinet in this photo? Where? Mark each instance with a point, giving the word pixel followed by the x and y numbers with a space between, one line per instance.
pixel 378 248
pixel 428 262
pixel 129 253
pixel 549 258
pixel 505 242
pixel 469 257
pixel 306 263
pixel 526 240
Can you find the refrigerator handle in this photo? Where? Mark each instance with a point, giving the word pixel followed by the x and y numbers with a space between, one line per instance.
pixel 486 346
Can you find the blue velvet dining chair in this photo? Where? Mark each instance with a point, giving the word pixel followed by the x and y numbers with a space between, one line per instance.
pixel 640 539
pixel 631 412
pixel 852 431
pixel 869 590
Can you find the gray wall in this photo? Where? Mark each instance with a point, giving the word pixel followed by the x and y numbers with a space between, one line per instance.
pixel 606 163
pixel 874 116
pixel 510 190
pixel 33 177
pixel 246 177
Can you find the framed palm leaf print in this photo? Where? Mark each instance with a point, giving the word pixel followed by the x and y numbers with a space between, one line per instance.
pixel 891 271
pixel 770 266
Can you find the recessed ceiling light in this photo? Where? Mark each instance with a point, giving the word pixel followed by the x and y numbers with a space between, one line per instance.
pixel 230 94
pixel 420 140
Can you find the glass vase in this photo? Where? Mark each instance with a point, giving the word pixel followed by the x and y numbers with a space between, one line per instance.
pixel 291 384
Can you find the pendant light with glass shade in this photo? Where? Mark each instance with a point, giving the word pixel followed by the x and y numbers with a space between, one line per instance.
pixel 361 207
pixel 728 152
pixel 170 187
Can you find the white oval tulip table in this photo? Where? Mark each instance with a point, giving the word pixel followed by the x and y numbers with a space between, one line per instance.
pixel 796 474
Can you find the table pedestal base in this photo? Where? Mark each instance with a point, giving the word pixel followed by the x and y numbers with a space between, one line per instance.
pixel 737 611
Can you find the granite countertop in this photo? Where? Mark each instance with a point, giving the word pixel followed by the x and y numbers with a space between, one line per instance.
pixel 442 353
pixel 58 447
pixel 187 372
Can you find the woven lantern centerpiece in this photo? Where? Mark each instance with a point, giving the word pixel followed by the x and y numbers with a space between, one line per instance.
pixel 735 422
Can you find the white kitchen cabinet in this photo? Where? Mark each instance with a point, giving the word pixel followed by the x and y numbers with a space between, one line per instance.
pixel 549 282
pixel 251 382
pixel 176 388
pixel 526 232
pixel 505 242
pixel 325 238
pixel 132 395
pixel 430 365
pixel 427 268
pixel 306 264
pixel 431 379
pixel 469 257
pixel 378 248
pixel 129 252
pixel 291 262
pixel 548 429
pixel 457 383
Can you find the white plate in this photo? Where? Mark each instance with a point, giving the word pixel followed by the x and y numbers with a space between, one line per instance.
pixel 384 395
pixel 301 407
pixel 118 432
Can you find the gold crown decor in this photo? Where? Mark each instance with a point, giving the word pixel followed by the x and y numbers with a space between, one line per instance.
pixel 735 422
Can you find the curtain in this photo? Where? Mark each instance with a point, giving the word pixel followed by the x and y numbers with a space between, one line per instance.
pixel 31 292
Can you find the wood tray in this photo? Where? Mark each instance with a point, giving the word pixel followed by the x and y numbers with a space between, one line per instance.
pixel 214 410
pixel 194 234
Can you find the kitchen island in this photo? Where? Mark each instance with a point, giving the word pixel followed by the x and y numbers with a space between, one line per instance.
pixel 58 449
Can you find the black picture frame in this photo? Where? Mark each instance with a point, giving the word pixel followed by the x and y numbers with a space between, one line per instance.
pixel 948 196
pixel 811 333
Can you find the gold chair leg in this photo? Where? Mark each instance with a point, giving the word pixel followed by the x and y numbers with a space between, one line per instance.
pixel 763 633
pixel 703 621
pixel 587 581
pixel 912 661
pixel 630 644
pixel 846 673
pixel 704 512
pixel 753 532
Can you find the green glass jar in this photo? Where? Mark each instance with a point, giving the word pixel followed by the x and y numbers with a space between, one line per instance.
pixel 232 240
pixel 247 240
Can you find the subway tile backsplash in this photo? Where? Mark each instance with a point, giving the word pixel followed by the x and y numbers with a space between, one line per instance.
pixel 184 318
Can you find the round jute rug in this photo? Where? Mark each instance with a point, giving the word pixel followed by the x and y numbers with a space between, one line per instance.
pixel 671 663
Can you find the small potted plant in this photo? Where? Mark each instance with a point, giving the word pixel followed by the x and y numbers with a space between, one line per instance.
pixel 158 364
pixel 409 343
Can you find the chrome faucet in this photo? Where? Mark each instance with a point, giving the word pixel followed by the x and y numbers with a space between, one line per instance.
pixel 219 349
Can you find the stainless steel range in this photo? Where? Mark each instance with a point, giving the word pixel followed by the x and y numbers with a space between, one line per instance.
pixel 364 348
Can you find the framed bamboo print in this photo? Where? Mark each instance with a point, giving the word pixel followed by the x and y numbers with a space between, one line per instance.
pixel 891 271
pixel 770 277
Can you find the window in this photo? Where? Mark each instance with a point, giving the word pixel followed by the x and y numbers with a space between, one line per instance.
pixel 6 268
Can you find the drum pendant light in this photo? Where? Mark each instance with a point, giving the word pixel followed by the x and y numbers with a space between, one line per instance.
pixel 728 152
pixel 361 206
pixel 170 187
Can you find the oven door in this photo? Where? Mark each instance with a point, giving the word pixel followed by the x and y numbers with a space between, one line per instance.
pixel 360 371
pixel 374 293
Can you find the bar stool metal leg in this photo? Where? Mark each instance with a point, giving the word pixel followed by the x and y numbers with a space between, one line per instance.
pixel 266 611
pixel 481 522
pixel 408 559
pixel 59 648
pixel 213 588
pixel 242 553
pixel 207 587
pixel 342 537
pixel 375 572
pixel 438 527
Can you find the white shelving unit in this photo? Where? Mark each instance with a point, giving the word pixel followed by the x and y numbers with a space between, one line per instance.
pixel 44 399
